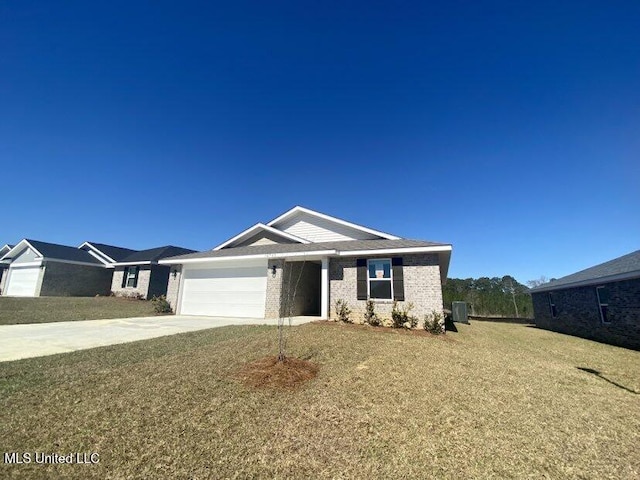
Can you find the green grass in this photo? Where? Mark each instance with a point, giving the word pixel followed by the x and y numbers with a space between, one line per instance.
pixel 493 400
pixel 64 309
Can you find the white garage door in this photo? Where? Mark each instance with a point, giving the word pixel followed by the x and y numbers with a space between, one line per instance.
pixel 225 291
pixel 22 281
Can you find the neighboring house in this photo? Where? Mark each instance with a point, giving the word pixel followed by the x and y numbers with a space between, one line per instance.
pixel 321 258
pixel 139 274
pixel 37 268
pixel 4 269
pixel 600 303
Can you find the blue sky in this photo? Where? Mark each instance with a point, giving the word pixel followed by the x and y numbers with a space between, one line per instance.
pixel 509 129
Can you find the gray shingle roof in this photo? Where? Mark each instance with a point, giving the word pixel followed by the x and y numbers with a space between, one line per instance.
pixel 627 264
pixel 343 246
pixel 117 253
pixel 155 254
pixel 63 252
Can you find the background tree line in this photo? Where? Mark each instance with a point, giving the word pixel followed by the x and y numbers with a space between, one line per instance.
pixel 489 296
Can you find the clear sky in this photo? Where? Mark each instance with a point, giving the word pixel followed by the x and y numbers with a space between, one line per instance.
pixel 509 129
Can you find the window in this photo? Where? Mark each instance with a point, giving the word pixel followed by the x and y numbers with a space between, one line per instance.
pixel 379 278
pixel 131 277
pixel 552 306
pixel 603 303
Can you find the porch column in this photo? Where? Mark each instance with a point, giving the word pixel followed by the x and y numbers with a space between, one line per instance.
pixel 324 289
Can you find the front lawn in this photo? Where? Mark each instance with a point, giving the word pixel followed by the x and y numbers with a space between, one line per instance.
pixel 493 400
pixel 15 310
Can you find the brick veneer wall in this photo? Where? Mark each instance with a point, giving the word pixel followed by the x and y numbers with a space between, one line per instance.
pixel 70 280
pixel 422 286
pixel 274 298
pixel 152 281
pixel 173 286
pixel 142 287
pixel 578 313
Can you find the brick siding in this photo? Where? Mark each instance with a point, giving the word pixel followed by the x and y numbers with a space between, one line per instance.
pixel 422 287
pixel 578 313
pixel 152 281
pixel 70 280
pixel 173 286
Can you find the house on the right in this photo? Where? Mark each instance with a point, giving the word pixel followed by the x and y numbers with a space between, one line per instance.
pixel 600 303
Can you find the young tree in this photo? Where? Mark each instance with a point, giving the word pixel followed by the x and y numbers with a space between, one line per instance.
pixel 290 289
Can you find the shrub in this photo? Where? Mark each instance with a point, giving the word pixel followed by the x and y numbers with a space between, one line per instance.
pixel 433 323
pixel 370 316
pixel 160 304
pixel 343 311
pixel 130 295
pixel 401 318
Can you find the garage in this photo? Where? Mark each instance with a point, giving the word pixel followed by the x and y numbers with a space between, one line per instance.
pixel 237 290
pixel 22 281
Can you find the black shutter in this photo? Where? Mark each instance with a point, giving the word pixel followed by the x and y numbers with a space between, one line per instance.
pixel 124 277
pixel 135 280
pixel 361 268
pixel 398 278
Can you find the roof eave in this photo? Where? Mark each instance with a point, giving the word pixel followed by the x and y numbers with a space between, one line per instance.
pixel 588 282
pixel 260 226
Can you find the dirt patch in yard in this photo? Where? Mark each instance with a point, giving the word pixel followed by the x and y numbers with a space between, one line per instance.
pixel 268 372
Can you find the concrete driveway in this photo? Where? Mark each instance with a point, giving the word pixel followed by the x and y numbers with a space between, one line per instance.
pixel 38 339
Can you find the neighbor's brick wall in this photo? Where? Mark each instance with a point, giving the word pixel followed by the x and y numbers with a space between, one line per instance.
pixel 144 278
pixel 152 281
pixel 173 287
pixel 274 289
pixel 422 286
pixel 578 313
pixel 69 280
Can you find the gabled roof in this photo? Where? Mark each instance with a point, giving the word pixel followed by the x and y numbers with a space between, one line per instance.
pixel 621 268
pixel 152 255
pixel 4 249
pixel 343 248
pixel 251 231
pixel 298 209
pixel 53 251
pixel 111 252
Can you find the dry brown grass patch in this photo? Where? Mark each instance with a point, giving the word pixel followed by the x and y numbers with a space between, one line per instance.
pixel 268 372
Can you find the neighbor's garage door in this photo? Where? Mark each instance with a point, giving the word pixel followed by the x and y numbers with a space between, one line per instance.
pixel 225 291
pixel 22 281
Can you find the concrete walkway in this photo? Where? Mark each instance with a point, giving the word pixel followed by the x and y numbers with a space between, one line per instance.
pixel 38 339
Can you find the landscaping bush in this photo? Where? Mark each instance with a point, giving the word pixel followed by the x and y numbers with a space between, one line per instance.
pixel 401 318
pixel 433 323
pixel 370 316
pixel 160 304
pixel 343 311
pixel 128 295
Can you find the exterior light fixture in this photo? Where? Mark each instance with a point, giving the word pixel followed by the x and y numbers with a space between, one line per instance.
pixel 174 272
pixel 273 271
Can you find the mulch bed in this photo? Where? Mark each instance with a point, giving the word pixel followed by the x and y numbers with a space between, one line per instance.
pixel 268 372
pixel 419 332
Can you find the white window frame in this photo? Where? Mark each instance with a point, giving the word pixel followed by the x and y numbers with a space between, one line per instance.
pixel 128 272
pixel 390 279
pixel 600 305
pixel 553 310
